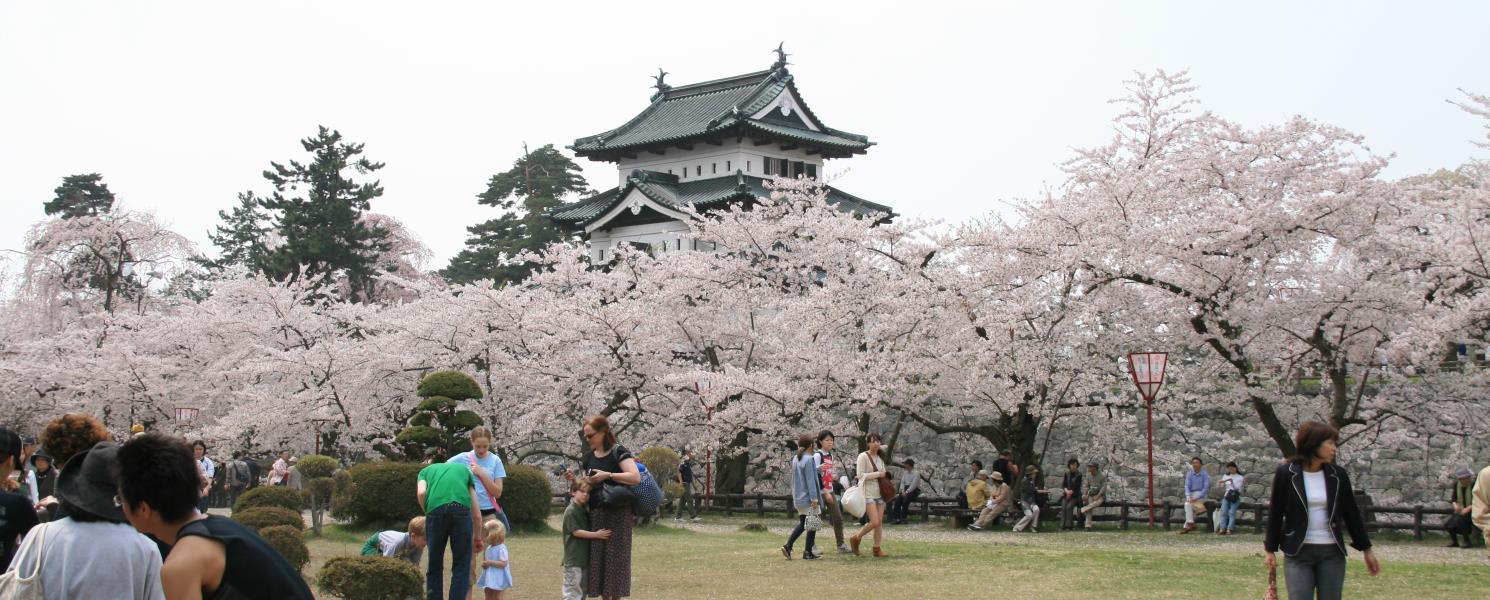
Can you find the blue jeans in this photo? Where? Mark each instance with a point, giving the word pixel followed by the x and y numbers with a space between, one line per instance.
pixel 1227 520
pixel 449 522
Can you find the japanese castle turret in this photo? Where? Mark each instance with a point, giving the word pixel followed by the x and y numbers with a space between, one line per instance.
pixel 711 145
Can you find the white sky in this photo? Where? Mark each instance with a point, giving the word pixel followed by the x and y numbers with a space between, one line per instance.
pixel 181 105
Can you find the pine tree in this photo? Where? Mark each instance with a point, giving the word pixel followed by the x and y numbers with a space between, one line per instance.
pixel 80 195
pixel 322 237
pixel 535 185
pixel 240 240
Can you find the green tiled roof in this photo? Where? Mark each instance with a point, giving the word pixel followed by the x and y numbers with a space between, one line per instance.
pixel 665 189
pixel 716 109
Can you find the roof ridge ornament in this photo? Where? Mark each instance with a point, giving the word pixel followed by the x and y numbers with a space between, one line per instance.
pixel 661 87
pixel 780 57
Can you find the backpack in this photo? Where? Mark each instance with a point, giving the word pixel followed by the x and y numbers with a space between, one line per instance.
pixel 237 474
pixel 648 494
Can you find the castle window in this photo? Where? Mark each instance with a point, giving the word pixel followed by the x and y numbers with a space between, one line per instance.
pixel 698 170
pixel 747 166
pixel 797 168
pixel 766 167
pixel 713 168
pixel 785 167
pixel 811 171
pixel 726 166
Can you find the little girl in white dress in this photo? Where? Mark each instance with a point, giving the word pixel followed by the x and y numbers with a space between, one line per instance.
pixel 496 567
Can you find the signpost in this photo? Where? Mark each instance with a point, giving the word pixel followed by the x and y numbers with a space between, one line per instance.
pixel 1147 370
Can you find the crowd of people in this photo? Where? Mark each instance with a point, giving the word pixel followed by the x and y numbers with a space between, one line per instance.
pixel 96 518
pixel 76 500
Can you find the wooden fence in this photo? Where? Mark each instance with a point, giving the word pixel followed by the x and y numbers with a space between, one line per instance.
pixel 1253 515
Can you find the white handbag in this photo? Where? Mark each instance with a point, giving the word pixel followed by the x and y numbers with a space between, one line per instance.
pixel 15 585
pixel 853 501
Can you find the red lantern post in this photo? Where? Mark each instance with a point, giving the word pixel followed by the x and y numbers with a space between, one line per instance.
pixel 1147 370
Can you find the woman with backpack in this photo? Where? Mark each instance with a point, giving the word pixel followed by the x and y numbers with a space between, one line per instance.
pixel 1231 499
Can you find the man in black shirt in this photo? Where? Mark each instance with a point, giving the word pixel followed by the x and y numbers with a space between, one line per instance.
pixel 17 516
pixel 685 477
pixel 210 556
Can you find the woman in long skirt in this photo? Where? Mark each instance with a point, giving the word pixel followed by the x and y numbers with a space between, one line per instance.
pixel 609 463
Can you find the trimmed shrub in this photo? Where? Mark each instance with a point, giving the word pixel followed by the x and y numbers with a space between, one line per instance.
pixel 370 578
pixel 319 487
pixel 662 463
pixel 316 465
pixel 269 495
pixel 290 543
pixel 382 494
pixel 454 385
pixel 341 493
pixel 437 425
pixel 269 516
pixel 526 495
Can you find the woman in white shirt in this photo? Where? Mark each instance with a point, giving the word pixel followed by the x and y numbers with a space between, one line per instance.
pixel 1231 499
pixel 1311 499
pixel 871 467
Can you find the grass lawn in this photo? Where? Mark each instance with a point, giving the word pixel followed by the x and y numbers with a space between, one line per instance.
pixel 720 562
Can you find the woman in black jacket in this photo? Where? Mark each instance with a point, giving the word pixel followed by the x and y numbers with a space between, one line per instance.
pixel 1312 498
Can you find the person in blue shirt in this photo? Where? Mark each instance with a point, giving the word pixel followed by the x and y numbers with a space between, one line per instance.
pixel 487 467
pixel 1197 485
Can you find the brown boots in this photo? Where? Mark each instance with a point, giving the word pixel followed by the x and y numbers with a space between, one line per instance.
pixel 853 544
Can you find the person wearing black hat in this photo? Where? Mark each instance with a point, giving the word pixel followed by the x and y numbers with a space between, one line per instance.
pixel 210 556
pixel 16 515
pixel 92 552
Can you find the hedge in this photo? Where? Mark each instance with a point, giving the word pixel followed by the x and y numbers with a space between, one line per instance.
pixel 269 495
pixel 264 517
pixel 290 542
pixel 370 578
pixel 382 494
pixel 526 495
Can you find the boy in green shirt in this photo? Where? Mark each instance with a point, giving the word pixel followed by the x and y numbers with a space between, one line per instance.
pixel 447 493
pixel 576 539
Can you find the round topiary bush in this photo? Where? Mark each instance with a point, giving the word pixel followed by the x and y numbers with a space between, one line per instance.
pixel 269 516
pixel 290 542
pixel 269 495
pixel 382 494
pixel 454 385
pixel 316 465
pixel 526 495
pixel 370 578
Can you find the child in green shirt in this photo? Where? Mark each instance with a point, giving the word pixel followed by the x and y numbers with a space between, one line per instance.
pixel 576 539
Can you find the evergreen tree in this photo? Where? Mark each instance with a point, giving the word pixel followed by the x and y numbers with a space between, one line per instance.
pixel 322 237
pixel 535 185
pixel 240 240
pixel 80 195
